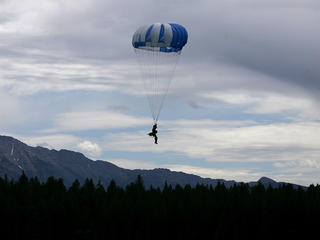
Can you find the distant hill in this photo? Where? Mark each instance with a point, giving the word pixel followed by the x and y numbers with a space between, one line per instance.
pixel 16 156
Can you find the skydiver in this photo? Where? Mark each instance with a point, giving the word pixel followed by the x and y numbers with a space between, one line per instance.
pixel 153 133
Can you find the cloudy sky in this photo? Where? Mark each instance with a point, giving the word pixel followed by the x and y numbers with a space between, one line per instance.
pixel 244 101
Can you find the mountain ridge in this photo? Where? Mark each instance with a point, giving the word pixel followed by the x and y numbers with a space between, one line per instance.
pixel 16 156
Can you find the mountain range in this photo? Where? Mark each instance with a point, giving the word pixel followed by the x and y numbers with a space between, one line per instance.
pixel 17 157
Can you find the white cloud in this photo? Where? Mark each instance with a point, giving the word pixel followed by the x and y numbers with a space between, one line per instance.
pixel 304 165
pixel 206 123
pixel 224 173
pixel 23 77
pixel 232 97
pixel 259 102
pixel 247 143
pixel 62 141
pixel 11 109
pixel 90 148
pixel 81 121
pixel 227 174
pixel 56 141
pixel 133 164
pixel 27 18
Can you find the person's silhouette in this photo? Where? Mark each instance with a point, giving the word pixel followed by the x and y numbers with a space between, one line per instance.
pixel 153 133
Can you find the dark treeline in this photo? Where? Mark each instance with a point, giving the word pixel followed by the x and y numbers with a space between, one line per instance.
pixel 30 209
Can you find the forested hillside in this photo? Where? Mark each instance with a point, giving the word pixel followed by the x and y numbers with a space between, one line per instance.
pixel 35 210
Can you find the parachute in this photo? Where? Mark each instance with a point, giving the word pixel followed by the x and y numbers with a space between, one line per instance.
pixel 158 48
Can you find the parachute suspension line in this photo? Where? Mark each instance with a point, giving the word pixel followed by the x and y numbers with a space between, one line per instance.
pixel 157 92
pixel 152 89
pixel 155 82
pixel 157 70
pixel 148 78
pixel 166 89
pixel 145 72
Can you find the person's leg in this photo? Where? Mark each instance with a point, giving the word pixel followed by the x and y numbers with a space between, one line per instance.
pixel 155 139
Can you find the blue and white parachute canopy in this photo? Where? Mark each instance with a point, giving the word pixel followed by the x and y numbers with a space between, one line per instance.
pixel 163 37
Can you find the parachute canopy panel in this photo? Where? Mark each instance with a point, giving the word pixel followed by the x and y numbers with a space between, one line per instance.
pixel 162 37
pixel 158 48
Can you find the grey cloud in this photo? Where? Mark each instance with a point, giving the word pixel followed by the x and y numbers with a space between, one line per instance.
pixel 119 107
pixel 275 39
pixel 4 18
pixel 193 104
